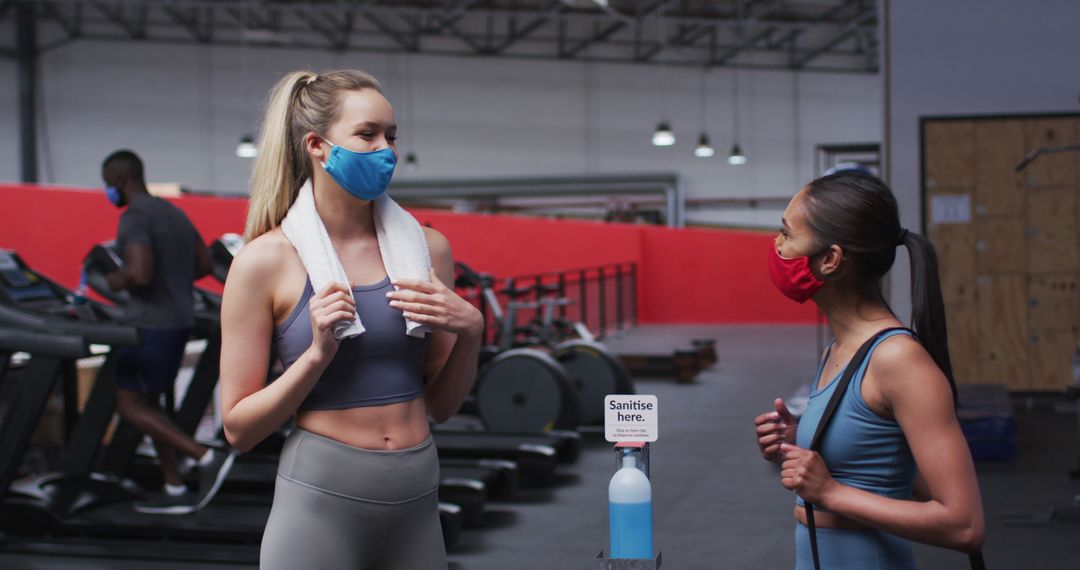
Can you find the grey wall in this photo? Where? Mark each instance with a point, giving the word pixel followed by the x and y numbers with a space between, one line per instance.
pixel 184 108
pixel 967 57
pixel 9 135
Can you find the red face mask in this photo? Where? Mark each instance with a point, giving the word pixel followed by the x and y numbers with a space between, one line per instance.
pixel 793 276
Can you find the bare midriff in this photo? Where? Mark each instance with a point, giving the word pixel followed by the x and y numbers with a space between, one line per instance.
pixel 383 428
pixel 825 519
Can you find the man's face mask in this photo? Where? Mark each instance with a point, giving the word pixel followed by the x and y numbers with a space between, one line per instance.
pixel 114 196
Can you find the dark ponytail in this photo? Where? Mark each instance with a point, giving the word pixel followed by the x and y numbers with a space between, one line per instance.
pixel 858 212
pixel 928 305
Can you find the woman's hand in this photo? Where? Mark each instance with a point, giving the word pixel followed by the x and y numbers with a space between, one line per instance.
pixel 434 304
pixel 774 429
pixel 805 472
pixel 333 305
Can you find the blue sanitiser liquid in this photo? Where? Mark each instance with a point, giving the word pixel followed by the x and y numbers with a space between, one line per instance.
pixel 630 512
pixel 80 291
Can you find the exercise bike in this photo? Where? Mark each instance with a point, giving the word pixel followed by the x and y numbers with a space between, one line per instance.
pixel 533 378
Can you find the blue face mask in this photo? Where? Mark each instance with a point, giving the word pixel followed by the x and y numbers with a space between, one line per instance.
pixel 113 194
pixel 362 174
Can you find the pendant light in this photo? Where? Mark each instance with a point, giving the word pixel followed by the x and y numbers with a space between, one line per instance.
pixel 246 147
pixel 663 135
pixel 704 147
pixel 736 156
pixel 412 164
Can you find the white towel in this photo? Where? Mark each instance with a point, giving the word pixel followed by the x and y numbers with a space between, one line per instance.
pixel 402 244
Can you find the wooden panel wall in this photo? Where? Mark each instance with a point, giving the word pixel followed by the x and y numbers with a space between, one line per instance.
pixel 997 144
pixel 1010 272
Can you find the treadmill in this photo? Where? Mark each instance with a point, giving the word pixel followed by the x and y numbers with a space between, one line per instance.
pixel 76 500
pixel 118 459
pixel 52 353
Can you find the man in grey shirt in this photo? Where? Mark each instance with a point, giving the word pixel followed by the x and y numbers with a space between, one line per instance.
pixel 163 255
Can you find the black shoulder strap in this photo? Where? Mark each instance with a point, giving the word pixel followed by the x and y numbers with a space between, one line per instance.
pixel 841 386
pixel 815 444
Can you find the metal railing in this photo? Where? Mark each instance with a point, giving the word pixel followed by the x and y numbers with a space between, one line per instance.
pixel 603 298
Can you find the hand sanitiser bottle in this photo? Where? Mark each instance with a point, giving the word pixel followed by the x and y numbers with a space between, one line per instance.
pixel 630 511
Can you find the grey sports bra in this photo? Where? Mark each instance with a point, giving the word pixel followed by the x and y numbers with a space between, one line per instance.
pixel 381 366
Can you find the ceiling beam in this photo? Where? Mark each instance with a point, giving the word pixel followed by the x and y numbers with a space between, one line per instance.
pixel 189 20
pixel 552 9
pixel 397 36
pixel 136 29
pixel 852 26
pixel 537 29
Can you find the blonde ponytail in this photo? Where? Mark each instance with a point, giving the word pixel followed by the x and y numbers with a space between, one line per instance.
pixel 300 103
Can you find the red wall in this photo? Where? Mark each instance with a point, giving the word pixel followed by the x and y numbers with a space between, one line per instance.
pixel 685 276
pixel 697 275
pixel 518 245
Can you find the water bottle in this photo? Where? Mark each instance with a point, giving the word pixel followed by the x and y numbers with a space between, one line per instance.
pixel 80 292
pixel 630 511
pixel 77 299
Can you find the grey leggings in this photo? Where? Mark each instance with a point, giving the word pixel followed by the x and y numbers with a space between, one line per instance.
pixel 337 506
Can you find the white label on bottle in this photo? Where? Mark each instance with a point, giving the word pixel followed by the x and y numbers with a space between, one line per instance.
pixel 631 418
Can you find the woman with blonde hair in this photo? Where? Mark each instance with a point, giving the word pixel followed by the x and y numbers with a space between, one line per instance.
pixel 358 477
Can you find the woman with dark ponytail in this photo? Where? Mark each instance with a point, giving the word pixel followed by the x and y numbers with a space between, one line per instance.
pixel 893 465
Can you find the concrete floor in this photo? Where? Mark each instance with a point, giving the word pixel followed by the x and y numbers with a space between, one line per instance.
pixel 716 503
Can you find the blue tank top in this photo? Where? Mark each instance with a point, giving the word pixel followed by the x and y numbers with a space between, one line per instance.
pixel 861 448
pixel 381 366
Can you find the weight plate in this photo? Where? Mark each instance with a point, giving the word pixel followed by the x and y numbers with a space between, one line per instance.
pixel 525 390
pixel 595 374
